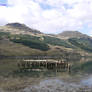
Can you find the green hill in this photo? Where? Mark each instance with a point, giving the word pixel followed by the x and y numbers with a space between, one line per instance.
pixel 82 43
pixel 22 40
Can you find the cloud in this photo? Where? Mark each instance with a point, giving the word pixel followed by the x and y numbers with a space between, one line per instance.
pixel 49 16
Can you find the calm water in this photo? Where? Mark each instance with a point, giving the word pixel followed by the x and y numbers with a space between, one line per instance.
pixel 52 81
pixel 62 83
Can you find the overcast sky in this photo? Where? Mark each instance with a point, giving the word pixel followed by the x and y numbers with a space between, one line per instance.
pixel 49 16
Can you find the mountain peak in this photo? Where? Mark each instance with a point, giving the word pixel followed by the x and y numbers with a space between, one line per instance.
pixel 72 34
pixel 22 27
pixel 15 25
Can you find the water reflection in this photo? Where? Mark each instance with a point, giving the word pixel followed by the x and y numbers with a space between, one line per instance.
pixel 49 81
pixel 58 85
pixel 87 81
pixel 43 74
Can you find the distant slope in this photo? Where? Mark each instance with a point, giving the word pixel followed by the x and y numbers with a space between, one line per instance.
pixel 72 34
pixel 78 40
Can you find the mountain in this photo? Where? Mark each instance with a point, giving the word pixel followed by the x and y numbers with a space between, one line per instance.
pixel 78 40
pixel 17 28
pixel 72 34
pixel 19 39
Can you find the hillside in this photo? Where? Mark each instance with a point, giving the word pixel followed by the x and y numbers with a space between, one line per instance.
pixel 18 39
pixel 72 34
pixel 82 43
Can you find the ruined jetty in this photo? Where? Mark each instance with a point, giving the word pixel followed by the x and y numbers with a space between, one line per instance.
pixel 42 65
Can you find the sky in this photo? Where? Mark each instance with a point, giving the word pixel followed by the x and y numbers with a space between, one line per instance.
pixel 49 16
pixel 3 1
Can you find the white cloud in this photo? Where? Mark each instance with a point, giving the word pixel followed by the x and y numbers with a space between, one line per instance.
pixel 58 15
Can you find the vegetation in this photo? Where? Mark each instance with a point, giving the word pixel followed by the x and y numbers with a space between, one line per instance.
pixel 32 44
pixel 30 41
pixel 83 43
pixel 4 34
pixel 27 40
pixel 24 37
pixel 56 41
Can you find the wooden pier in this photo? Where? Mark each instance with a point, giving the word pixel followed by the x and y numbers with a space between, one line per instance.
pixel 42 65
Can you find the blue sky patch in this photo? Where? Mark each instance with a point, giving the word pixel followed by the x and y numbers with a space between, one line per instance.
pixel 68 6
pixel 45 6
pixel 3 1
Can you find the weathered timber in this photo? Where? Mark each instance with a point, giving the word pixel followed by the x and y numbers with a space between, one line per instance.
pixel 43 65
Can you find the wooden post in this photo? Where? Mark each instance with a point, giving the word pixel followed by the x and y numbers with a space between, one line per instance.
pixel 46 64
pixel 69 68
